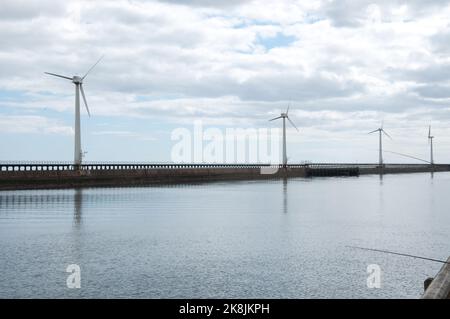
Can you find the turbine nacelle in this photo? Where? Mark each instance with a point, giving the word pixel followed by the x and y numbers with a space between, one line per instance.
pixel 381 130
pixel 77 79
pixel 285 115
pixel 429 133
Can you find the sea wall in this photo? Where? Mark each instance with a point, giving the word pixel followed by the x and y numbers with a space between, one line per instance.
pixel 95 178
pixel 26 178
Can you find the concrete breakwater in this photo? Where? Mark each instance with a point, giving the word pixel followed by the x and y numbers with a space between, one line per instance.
pixel 135 176
pixel 39 176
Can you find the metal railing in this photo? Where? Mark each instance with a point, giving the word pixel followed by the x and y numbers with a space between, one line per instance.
pixel 93 166
pixel 19 167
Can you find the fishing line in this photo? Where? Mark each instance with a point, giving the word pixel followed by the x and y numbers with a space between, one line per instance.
pixel 406 155
pixel 400 254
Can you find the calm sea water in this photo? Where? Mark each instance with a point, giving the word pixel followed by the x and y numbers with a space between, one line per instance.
pixel 247 239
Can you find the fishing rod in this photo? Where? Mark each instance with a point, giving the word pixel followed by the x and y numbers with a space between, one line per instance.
pixel 399 254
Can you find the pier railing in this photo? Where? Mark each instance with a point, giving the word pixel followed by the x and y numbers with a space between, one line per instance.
pixel 15 167
pixel 66 166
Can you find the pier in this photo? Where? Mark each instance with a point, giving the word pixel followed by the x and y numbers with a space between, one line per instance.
pixel 64 175
pixel 439 287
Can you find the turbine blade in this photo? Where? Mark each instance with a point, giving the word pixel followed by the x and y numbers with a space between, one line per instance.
pixel 275 118
pixel 292 123
pixel 60 76
pixel 287 110
pixel 373 131
pixel 84 99
pixel 386 134
pixel 429 131
pixel 92 67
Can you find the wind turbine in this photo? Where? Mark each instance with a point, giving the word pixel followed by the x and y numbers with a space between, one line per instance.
pixel 284 116
pixel 381 131
pixel 78 81
pixel 430 140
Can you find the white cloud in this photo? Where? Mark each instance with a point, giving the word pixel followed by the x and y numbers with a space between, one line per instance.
pixel 125 134
pixel 32 124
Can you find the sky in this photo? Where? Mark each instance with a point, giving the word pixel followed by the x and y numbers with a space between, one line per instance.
pixel 344 66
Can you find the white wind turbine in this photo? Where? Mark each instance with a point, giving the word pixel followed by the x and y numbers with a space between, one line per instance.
pixel 381 131
pixel 284 116
pixel 430 140
pixel 78 81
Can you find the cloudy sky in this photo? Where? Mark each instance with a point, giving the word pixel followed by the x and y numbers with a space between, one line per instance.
pixel 346 66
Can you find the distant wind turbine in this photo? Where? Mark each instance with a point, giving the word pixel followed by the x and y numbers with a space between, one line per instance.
pixel 78 81
pixel 381 131
pixel 285 116
pixel 430 141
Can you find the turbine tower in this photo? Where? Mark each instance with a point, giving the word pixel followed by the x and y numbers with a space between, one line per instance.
pixel 285 116
pixel 430 140
pixel 78 81
pixel 381 131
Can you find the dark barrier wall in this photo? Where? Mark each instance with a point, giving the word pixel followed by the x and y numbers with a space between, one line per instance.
pixel 34 176
pixel 87 178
